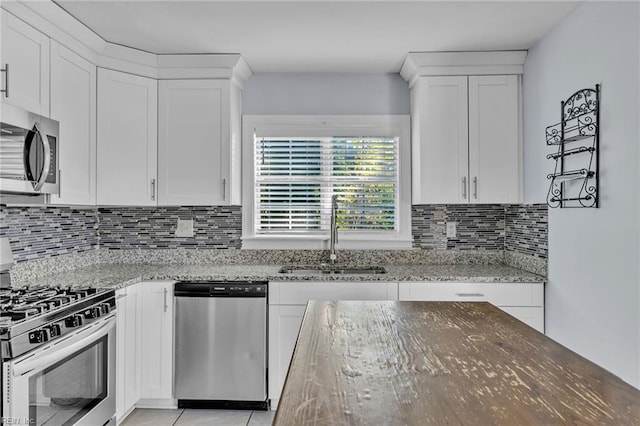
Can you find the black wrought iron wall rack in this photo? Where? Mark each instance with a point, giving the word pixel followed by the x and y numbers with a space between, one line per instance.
pixel 580 122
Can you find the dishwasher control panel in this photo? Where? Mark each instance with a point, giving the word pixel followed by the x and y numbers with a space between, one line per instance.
pixel 221 289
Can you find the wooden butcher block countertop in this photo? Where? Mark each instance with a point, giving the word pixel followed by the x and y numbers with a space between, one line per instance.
pixel 415 363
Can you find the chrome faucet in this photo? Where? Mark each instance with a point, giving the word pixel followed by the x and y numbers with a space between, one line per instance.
pixel 334 229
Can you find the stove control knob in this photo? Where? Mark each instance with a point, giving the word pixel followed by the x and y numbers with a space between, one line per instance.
pixel 74 321
pixel 54 330
pixel 38 336
pixel 93 312
pixel 106 308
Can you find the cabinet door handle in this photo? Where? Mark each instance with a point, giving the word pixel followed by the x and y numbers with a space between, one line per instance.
pixel 5 70
pixel 153 189
pixel 59 183
pixel 165 300
pixel 475 187
pixel 121 296
pixel 464 187
pixel 469 294
pixel 224 189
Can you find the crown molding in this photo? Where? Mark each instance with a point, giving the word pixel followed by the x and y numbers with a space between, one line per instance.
pixel 50 19
pixel 421 64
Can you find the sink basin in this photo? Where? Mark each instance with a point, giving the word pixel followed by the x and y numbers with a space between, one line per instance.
pixel 333 270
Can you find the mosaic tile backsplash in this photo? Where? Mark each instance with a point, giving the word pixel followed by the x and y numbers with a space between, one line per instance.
pixel 40 232
pixel 510 227
pixel 479 226
pixel 526 229
pixel 154 227
pixel 37 232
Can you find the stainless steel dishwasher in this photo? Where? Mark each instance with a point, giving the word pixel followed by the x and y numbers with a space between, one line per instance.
pixel 221 344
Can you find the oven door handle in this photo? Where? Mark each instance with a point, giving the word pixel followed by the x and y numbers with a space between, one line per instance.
pixel 60 350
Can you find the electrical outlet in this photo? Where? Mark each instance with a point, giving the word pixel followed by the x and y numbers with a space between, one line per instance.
pixel 451 229
pixel 184 228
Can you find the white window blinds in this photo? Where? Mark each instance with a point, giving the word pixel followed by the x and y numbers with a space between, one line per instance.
pixel 296 177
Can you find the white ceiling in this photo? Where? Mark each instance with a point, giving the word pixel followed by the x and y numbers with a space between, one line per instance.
pixel 319 36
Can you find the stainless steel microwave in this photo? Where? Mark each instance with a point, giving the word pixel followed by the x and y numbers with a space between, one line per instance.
pixel 28 153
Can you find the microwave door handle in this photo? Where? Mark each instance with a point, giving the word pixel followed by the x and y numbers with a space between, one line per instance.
pixel 61 350
pixel 47 158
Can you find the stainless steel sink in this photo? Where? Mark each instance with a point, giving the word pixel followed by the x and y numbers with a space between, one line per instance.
pixel 333 270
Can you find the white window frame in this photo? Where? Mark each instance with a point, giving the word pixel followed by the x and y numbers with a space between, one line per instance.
pixel 327 126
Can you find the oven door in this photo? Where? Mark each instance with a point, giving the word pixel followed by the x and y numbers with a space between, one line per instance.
pixel 68 382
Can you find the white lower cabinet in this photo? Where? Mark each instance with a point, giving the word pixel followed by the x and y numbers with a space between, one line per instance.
pixel 128 343
pixel 287 303
pixel 156 369
pixel 284 324
pixel 525 301
pixel 144 353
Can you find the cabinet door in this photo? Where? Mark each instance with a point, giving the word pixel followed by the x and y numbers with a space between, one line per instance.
pixel 494 139
pixel 127 139
pixel 73 104
pixel 439 140
pixel 26 51
pixel 300 292
pixel 128 350
pixel 284 325
pixel 121 352
pixel 193 142
pixel 500 294
pixel 157 342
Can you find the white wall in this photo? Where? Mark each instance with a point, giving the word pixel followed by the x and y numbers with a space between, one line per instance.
pixel 337 94
pixel 593 293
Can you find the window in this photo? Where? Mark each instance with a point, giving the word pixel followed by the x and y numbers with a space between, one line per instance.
pixel 296 164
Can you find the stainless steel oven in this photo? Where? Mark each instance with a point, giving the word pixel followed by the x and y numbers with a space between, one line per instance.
pixel 28 153
pixel 70 381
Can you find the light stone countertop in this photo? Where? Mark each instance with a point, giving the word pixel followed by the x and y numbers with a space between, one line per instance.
pixel 119 275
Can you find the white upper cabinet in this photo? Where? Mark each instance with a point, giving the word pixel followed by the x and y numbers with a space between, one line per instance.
pixel 466 133
pixel 439 140
pixel 127 139
pixel 194 142
pixel 26 53
pixel 73 104
pixel 466 139
pixel 494 139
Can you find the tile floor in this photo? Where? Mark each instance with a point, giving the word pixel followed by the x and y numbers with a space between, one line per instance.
pixel 192 417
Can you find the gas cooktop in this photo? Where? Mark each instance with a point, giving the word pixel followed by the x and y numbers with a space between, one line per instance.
pixel 21 303
pixel 33 316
